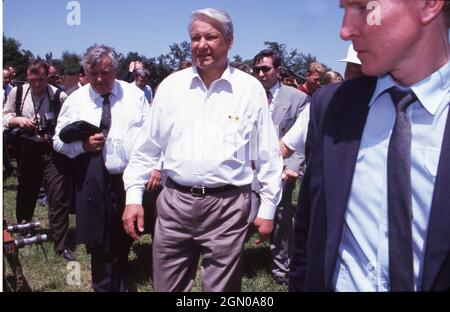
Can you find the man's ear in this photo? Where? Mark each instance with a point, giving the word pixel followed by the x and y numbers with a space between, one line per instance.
pixel 430 9
pixel 230 42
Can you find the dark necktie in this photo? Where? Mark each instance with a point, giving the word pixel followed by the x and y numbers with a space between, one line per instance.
pixel 105 121
pixel 401 269
pixel 269 97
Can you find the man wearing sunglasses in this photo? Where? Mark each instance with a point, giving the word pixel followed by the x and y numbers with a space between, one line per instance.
pixel 285 104
pixel 54 78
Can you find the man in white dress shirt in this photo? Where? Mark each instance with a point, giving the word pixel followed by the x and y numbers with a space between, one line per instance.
pixel 209 121
pixel 118 109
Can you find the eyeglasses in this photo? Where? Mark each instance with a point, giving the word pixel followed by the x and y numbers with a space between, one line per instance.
pixel 263 68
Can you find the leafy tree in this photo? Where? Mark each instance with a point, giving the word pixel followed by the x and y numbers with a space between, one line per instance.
pixel 178 54
pixel 70 63
pixel 12 55
pixel 293 60
pixel 237 58
pixel 160 67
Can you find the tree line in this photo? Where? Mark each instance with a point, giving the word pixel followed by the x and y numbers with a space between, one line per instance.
pixel 160 67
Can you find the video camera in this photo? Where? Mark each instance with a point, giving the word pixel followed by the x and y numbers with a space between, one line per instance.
pixel 27 235
pixel 15 228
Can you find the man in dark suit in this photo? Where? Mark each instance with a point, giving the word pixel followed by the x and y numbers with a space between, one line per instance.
pixel 285 104
pixel 374 203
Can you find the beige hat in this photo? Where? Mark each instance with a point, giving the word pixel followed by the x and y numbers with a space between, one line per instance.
pixel 352 56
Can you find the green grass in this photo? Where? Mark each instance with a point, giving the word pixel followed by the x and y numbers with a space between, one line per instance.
pixel 51 275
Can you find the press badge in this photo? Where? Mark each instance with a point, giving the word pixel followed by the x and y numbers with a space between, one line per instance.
pixel 49 116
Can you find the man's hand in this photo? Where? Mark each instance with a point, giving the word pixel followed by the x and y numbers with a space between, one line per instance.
pixel 133 213
pixel 94 143
pixel 155 180
pixel 23 122
pixel 289 175
pixel 265 228
pixel 132 66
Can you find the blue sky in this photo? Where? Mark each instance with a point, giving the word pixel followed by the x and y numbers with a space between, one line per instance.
pixel 149 27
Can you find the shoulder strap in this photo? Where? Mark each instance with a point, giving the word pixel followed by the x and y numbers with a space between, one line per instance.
pixel 18 102
pixel 55 104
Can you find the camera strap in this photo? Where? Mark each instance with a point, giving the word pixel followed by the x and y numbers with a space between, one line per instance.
pixel 19 101
pixel 36 110
pixel 55 105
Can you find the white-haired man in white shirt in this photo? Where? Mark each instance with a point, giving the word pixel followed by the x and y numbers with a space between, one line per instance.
pixel 210 124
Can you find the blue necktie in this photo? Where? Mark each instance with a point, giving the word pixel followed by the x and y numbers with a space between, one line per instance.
pixel 401 269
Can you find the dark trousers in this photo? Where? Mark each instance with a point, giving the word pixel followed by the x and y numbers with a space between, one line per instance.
pixel 7 165
pixel 11 149
pixel 40 164
pixel 109 267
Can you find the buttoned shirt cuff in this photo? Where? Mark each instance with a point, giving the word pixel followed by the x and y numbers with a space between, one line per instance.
pixel 266 211
pixel 78 147
pixel 6 121
pixel 134 196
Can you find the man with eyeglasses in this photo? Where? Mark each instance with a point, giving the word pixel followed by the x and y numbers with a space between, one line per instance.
pixel 313 78
pixel 285 104
pixel 54 78
pixel 39 164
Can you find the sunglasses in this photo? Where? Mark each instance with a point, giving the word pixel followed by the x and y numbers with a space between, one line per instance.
pixel 264 69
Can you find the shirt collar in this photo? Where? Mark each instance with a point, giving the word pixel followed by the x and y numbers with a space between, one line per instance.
pixel 226 75
pixel 274 89
pixel 430 91
pixel 96 95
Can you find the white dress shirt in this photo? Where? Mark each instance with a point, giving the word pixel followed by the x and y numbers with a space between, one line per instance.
pixel 31 104
pixel 363 259
pixel 295 138
pixel 209 137
pixel 128 110
pixel 274 91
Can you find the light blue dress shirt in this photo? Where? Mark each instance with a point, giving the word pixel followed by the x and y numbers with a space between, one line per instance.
pixel 274 91
pixel 148 94
pixel 362 263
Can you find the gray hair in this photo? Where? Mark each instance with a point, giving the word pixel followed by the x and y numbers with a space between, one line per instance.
pixel 218 15
pixel 142 72
pixel 95 53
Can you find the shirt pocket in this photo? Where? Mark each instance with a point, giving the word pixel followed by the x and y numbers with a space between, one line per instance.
pixel 116 153
pixel 430 161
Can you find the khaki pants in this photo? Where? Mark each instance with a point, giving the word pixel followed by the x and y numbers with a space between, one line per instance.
pixel 187 227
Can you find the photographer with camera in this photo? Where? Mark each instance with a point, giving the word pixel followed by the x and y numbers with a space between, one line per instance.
pixel 30 113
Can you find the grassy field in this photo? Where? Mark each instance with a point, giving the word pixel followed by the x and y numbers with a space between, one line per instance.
pixel 51 275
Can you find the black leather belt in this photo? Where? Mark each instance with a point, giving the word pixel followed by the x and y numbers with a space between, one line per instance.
pixel 202 191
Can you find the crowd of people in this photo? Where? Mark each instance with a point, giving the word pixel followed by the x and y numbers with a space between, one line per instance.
pixel 215 153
